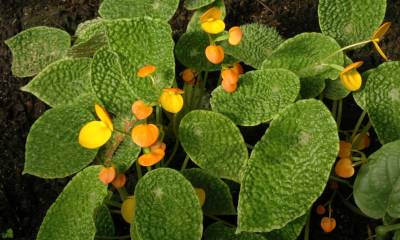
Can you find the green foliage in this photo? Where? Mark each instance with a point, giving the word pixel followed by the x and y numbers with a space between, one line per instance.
pixel 195 22
pixel 167 207
pixel 218 231
pixel 83 26
pixel 36 48
pixel 257 44
pixel 214 143
pixel 359 95
pixel 68 219
pixel 288 168
pixel 195 4
pixel 104 222
pixel 260 94
pixel 52 146
pixel 87 101
pixel 9 234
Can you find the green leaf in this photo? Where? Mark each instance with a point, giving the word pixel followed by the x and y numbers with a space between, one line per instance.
pixel 104 222
pixel 257 44
pixel 52 146
pixel 133 230
pixel 62 82
pixel 377 186
pixel 195 22
pixel 359 95
pixel 120 148
pixel 288 168
pixel 214 143
pixel 117 9
pixel 260 94
pixel 71 215
pixel 191 50
pixel 334 89
pixel 218 231
pixel 167 207
pixel 233 186
pixel 289 232
pixel 349 21
pixel 178 117
pixel 195 4
pixel 396 235
pixel 87 101
pixel 218 197
pixel 146 42
pixel 91 40
pixel 303 50
pixel 83 26
pixel 109 84
pixel 36 48
pixel 382 100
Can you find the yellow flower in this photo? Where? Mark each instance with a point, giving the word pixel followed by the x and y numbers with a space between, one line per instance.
pixel 351 79
pixel 127 208
pixel 171 99
pixel 96 133
pixel 378 34
pixel 211 21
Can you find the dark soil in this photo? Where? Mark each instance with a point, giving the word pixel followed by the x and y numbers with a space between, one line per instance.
pixel 24 199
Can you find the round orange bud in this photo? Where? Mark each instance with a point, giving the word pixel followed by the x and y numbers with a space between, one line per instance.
pixel 143 111
pixel 145 134
pixel 146 70
pixel 158 145
pixel 119 180
pixel 320 209
pixel 107 174
pixel 135 105
pixel 230 75
pixel 328 224
pixel 235 35
pixel 229 87
pixel 188 75
pixel 238 67
pixel 215 54
pixel 344 169
pixel 344 150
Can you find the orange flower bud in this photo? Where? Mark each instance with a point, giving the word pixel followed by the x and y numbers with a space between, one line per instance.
pixel 235 35
pixel 188 75
pixel 365 142
pixel 158 145
pixel 328 224
pixel 229 87
pixel 334 185
pixel 107 174
pixel 238 67
pixel 215 54
pixel 344 169
pixel 151 158
pixel 145 134
pixel 119 180
pixel 146 70
pixel 135 105
pixel 344 150
pixel 320 209
pixel 230 75
pixel 143 111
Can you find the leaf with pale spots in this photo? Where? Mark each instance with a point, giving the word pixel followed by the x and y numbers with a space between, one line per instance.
pixel 83 26
pixel 104 222
pixel 359 95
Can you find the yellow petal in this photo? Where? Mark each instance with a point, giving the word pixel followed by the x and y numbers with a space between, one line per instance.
pixel 213 27
pixel 94 134
pixel 177 90
pixel 211 13
pixel 127 209
pixel 382 30
pixel 379 50
pixel 351 79
pixel 171 101
pixel 103 115
pixel 351 66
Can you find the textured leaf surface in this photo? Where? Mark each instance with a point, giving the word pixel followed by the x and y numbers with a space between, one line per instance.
pixel 82 27
pixel 382 98
pixel 52 146
pixel 218 197
pixel 359 95
pixel 195 22
pixel 214 143
pixel 195 4
pixel 303 50
pixel 334 89
pixel 36 48
pixel 117 9
pixel 178 118
pixel 146 42
pixel 257 44
pixel 109 84
pixel 167 207
pixel 351 21
pixel 62 82
pixel 120 148
pixel 289 232
pixel 104 222
pixel 87 101
pixel 191 50
pixel 288 168
pixel 71 215
pixel 133 230
pixel 218 231
pixel 259 97
pixel 377 186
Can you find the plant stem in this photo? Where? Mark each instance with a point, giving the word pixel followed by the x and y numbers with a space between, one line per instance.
pixel 219 79
pixel 99 161
pixel 126 133
pixel 155 85
pixel 139 170
pixel 340 180
pixel 189 94
pixel 185 162
pixel 112 203
pixel 173 153
pixel 362 134
pixel 382 231
pixel 174 83
pixel 123 193
pixel 168 114
pixel 307 230
pixel 148 168
pixel 321 96
pixel 350 46
pixel 249 146
pixel 159 114
pixel 184 96
pixel 301 71
pixel 351 206
pixel 203 85
pixel 115 211
pixel 121 237
pixel 339 116
pixel 334 109
pixel 199 79
pixel 357 125
pixel 221 221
